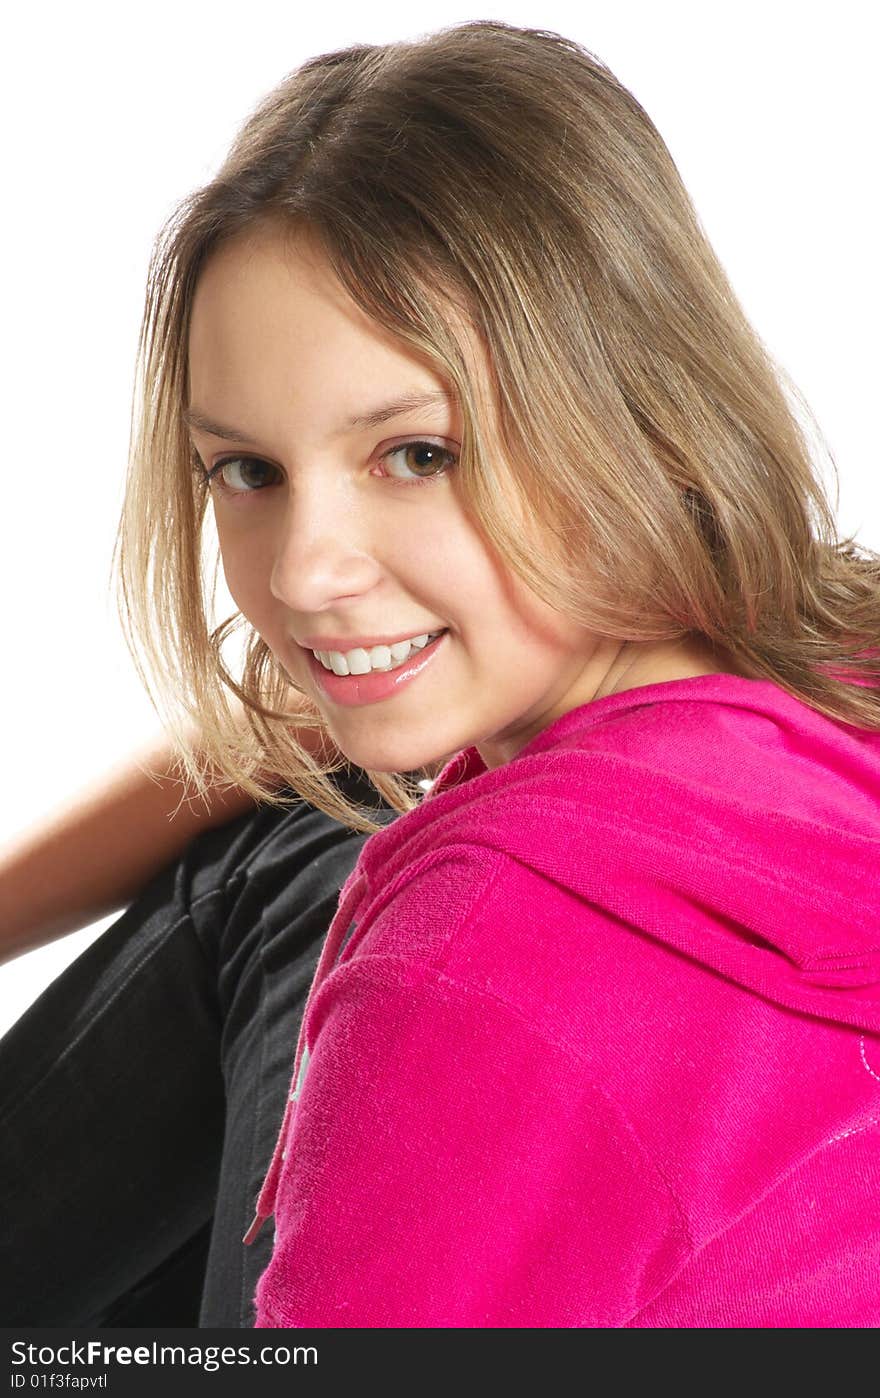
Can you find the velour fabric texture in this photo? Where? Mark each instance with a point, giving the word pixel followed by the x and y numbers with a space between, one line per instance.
pixel 594 1040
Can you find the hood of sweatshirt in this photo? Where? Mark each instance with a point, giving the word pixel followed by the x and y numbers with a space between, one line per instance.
pixel 732 793
pixel 747 826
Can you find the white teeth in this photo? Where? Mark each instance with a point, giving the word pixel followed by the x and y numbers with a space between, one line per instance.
pixel 358 661
pixel 382 658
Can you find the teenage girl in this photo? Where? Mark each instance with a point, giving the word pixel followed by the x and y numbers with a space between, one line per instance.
pixel 508 495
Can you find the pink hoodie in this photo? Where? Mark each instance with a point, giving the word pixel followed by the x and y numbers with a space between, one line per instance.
pixel 603 1046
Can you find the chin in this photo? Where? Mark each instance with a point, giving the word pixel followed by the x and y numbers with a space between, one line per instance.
pixel 392 757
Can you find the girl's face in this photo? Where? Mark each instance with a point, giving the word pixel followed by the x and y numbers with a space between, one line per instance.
pixel 342 529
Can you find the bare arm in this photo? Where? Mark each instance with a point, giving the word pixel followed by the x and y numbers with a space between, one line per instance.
pixel 97 851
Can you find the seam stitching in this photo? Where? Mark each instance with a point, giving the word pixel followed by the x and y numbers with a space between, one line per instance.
pixel 865 1064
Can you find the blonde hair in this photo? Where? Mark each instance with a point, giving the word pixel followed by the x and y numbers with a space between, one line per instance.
pixel 504 172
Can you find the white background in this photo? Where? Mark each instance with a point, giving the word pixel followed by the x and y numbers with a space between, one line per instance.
pixel 110 114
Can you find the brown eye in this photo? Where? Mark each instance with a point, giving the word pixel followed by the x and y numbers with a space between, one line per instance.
pixel 421 460
pixel 242 475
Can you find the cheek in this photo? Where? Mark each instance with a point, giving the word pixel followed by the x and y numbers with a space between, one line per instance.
pixel 455 555
pixel 540 632
pixel 247 569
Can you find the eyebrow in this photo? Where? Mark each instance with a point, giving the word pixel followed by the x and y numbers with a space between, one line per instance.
pixel 407 403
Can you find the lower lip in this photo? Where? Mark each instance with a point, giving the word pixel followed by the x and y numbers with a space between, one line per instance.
pixel 352 690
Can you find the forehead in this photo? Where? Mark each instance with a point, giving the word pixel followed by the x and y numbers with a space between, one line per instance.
pixel 281 290
pixel 269 309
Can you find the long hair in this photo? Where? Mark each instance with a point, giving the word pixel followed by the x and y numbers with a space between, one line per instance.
pixel 505 174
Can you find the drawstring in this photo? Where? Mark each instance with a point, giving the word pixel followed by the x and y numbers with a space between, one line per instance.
pixel 349 895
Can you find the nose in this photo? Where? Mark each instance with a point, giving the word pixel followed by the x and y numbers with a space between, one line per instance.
pixel 323 552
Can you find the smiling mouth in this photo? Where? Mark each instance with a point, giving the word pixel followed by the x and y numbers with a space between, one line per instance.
pixel 378 659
